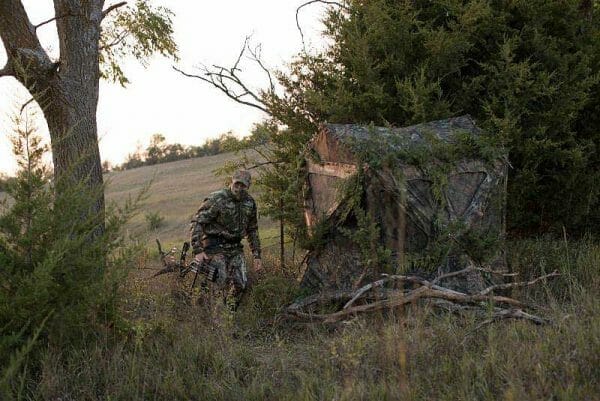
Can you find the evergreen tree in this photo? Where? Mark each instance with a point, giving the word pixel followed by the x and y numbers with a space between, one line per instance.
pixel 58 287
pixel 527 71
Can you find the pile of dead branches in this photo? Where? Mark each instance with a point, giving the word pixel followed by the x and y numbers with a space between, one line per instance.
pixel 395 291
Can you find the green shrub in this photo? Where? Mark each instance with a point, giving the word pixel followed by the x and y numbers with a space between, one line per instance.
pixel 59 270
pixel 526 70
pixel 154 220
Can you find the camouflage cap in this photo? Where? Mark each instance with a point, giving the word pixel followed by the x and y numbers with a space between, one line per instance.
pixel 242 176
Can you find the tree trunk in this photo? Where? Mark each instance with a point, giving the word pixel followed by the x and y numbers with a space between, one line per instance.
pixel 68 96
pixel 71 117
pixel 67 91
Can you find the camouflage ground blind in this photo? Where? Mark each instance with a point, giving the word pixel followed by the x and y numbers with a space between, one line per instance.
pixel 400 199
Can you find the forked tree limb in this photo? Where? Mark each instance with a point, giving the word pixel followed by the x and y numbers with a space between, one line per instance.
pixel 217 79
pixel 228 81
pixel 410 297
pixel 411 279
pixel 361 291
pixel 20 40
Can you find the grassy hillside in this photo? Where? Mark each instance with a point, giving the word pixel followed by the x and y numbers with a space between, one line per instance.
pixel 175 193
pixel 170 343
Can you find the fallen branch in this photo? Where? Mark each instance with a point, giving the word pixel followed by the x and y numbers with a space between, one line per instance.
pixel 421 292
pixel 361 291
pixel 443 297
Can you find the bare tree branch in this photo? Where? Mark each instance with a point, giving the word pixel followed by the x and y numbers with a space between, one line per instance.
pixel 54 19
pixel 331 3
pixel 470 269
pixel 217 79
pixel 256 56
pixel 244 46
pixel 228 81
pixel 364 289
pixel 114 6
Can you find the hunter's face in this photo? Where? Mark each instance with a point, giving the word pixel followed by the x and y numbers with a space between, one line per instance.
pixel 238 189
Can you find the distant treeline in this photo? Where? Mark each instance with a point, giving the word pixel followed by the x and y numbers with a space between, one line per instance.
pixel 158 151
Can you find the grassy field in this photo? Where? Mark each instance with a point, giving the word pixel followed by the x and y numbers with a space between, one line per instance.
pixel 173 344
pixel 189 348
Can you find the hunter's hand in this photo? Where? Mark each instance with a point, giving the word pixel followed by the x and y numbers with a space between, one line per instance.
pixel 258 265
pixel 201 258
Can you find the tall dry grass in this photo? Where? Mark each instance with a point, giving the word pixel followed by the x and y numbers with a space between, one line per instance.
pixel 175 349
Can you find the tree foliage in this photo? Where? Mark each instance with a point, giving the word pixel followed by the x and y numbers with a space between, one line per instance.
pixel 527 71
pixel 138 31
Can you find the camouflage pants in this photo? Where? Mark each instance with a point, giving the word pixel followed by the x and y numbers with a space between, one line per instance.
pixel 232 277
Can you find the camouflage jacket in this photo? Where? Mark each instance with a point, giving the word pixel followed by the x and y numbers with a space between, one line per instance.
pixel 222 221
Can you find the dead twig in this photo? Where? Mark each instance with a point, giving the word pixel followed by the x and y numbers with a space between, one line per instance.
pixel 301 6
pixel 120 37
pixel 488 290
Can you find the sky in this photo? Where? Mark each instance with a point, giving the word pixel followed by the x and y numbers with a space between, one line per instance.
pixel 159 99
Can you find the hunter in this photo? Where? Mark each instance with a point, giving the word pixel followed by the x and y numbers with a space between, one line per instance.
pixel 224 218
